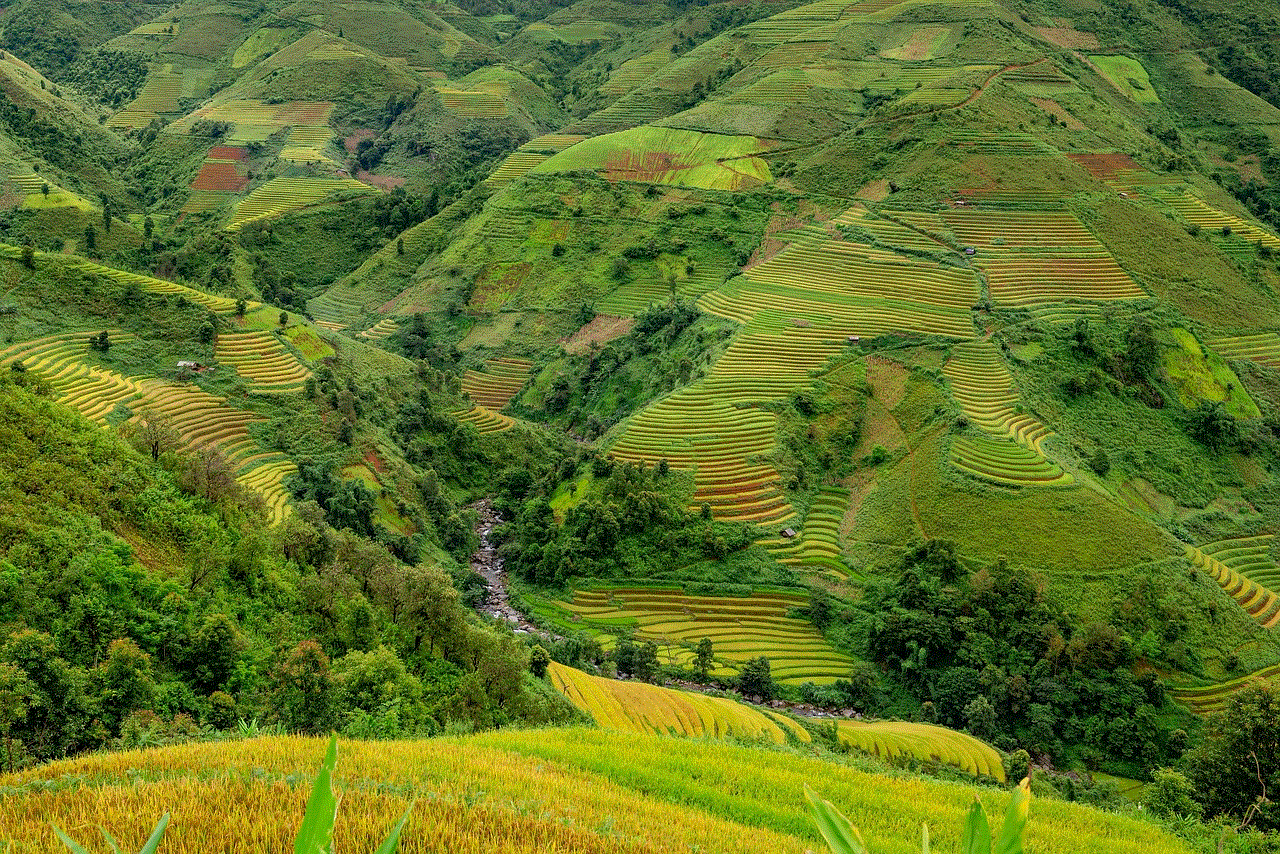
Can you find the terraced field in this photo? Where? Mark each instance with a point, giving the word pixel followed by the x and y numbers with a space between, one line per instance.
pixel 1196 211
pixel 281 195
pixel 485 420
pixel 157 98
pixel 1208 699
pixel 926 742
pixel 1006 463
pixel 1261 347
pixel 255 121
pixel 817 546
pixel 200 419
pixel 382 329
pixel 639 707
pixel 501 379
pixel 261 359
pixel 1245 571
pixel 740 628
pixel 983 387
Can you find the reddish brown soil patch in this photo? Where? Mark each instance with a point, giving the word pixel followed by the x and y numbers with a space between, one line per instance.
pixel 1069 38
pixel 228 152
pixel 382 182
pixel 352 142
pixel 600 330
pixel 649 167
pixel 374 461
pixel 1106 166
pixel 492 289
pixel 219 176
pixel 1053 108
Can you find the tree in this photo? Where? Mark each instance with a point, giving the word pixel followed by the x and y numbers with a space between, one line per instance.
pixel 44 189
pixel 284 318
pixel 399 245
pixel 305 692
pixel 90 238
pixel 1171 794
pixel 1238 760
pixel 703 658
pixel 215 650
pixel 148 227
pixel 646 661
pixel 539 660
pixel 980 718
pixel 153 433
pixel 28 257
pixel 16 694
pixel 756 679
pixel 125 682
pixel 100 342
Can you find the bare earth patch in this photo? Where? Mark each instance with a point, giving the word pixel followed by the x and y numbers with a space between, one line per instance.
pixel 874 191
pixel 600 330
pixel 1069 38
pixel 382 182
pixel 1053 108
pixel 352 142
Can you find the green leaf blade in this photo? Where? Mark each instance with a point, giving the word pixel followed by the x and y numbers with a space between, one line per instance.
pixel 841 836
pixel 315 836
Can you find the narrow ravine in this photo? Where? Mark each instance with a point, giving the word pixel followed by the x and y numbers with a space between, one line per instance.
pixel 488 565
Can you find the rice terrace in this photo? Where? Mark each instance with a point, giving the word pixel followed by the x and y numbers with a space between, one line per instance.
pixel 568 426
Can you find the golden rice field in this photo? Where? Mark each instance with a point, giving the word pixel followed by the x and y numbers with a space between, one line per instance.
pixel 926 742
pixel 739 627
pixel 983 387
pixel 1260 347
pixel 281 195
pixel 261 359
pixel 640 707
pixel 573 791
pixel 500 380
pixel 1206 699
pixel 199 419
pixel 485 420
pixel 1257 599
pixel 817 545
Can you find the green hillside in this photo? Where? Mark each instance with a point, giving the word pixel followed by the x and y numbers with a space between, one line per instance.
pixel 908 363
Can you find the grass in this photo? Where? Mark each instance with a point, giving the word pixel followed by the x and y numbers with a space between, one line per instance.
pixel 668 156
pixel 637 707
pixel 572 791
pixel 1127 75
pixel 1200 375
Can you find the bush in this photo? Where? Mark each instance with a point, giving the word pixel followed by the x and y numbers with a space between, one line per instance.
pixel 1171 794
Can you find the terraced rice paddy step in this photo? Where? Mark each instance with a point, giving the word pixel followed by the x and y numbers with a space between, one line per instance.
pixel 485 420
pixel 983 387
pixel 1257 600
pixel 639 707
pixel 1261 347
pixel 1214 698
pixel 382 329
pixel 158 286
pixel 740 628
pixel 1006 463
pixel 281 195
pixel 260 358
pixel 1197 212
pixel 886 231
pixel 926 742
pixel 199 419
pixel 516 166
pixel 501 379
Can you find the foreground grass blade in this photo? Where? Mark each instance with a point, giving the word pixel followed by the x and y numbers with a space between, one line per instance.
pixel 1015 820
pixel 315 836
pixel 157 834
pixel 977 833
pixel 842 837
pixel 392 841
pixel 69 842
